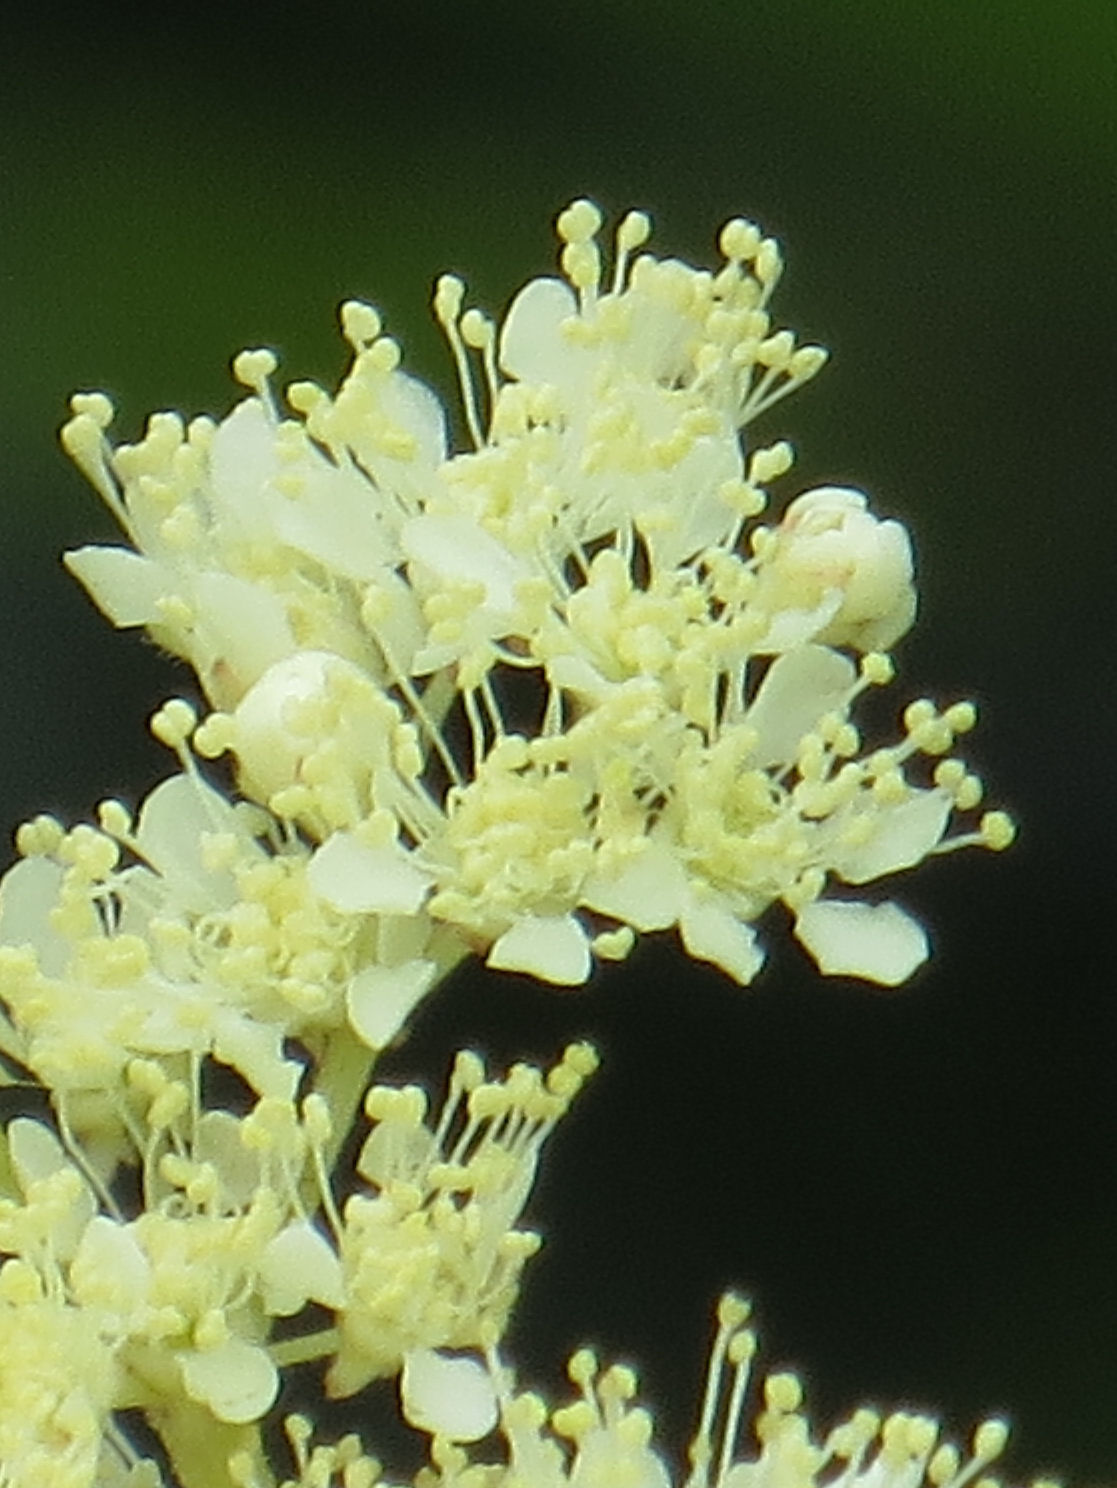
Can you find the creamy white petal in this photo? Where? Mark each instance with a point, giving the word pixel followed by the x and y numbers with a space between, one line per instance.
pixel 381 998
pixel 532 347
pixel 448 1396
pixel 109 1268
pixel 902 836
pixel 28 894
pixel 243 462
pixel 236 1380
pixel 879 942
pixel 356 878
pixel 174 821
pixel 300 1265
pixel 712 933
pixel 255 1050
pixel 126 586
pixel 554 948
pixel 457 548
pixel 242 627
pixel 798 688
pixel 648 894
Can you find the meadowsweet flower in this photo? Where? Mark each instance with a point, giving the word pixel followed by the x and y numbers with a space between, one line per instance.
pixel 510 688
pixel 530 700
pixel 432 1257
pixel 604 1437
pixel 199 929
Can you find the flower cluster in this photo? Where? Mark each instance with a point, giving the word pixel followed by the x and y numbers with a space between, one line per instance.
pixel 526 701
pixel 565 687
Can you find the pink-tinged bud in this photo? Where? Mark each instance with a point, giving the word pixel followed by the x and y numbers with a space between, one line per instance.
pixel 829 544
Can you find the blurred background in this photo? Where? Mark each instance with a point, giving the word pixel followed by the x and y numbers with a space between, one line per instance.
pixel 918 1188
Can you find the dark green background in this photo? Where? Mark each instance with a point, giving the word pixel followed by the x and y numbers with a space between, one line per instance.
pixel 919 1188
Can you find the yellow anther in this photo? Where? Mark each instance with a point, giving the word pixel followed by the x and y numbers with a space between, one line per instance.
pixel 578 222
pixel 767 262
pixel 783 1393
pixel 95 406
pixel 806 362
pixel 634 231
pixel 961 717
pixel 768 464
pixel 305 397
pixel 40 837
pixel 384 355
pixel 998 830
pixel 739 240
pixel 449 292
pixel 969 793
pixel 360 323
pixel 949 774
pixel 990 1439
pixel 581 1368
pixel 174 722
pixel 253 368
pixel 477 329
pixel 918 713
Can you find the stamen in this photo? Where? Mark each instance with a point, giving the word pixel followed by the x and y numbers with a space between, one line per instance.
pixel 253 369
pixel 633 232
pixel 448 296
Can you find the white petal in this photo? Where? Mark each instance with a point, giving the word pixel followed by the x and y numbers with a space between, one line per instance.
pixel 417 410
pixel 458 548
pixel 243 462
pixel 35 1151
pixel 218 1141
pixel 255 1050
pixel 380 999
pixel 242 626
pixel 711 932
pixel 554 948
pixel 902 836
pixel 879 942
pixel 447 1396
pixel 109 1268
pixel 126 586
pixel 648 894
pixel 300 1265
pixel 173 820
pixel 798 688
pixel 237 1380
pixel 788 629
pixel 532 348
pixel 356 878
pixel 28 894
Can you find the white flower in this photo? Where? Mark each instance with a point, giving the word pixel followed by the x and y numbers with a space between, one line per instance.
pixel 432 1260
pixel 485 685
pixel 844 572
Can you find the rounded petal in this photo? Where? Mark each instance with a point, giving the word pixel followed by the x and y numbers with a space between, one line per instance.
pixel 902 836
pixel 381 998
pixel 647 894
pixel 236 1380
pixel 553 948
pixel 713 933
pixel 798 689
pixel 532 348
pixel 356 878
pixel 300 1265
pixel 447 1396
pixel 110 1269
pixel 879 942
